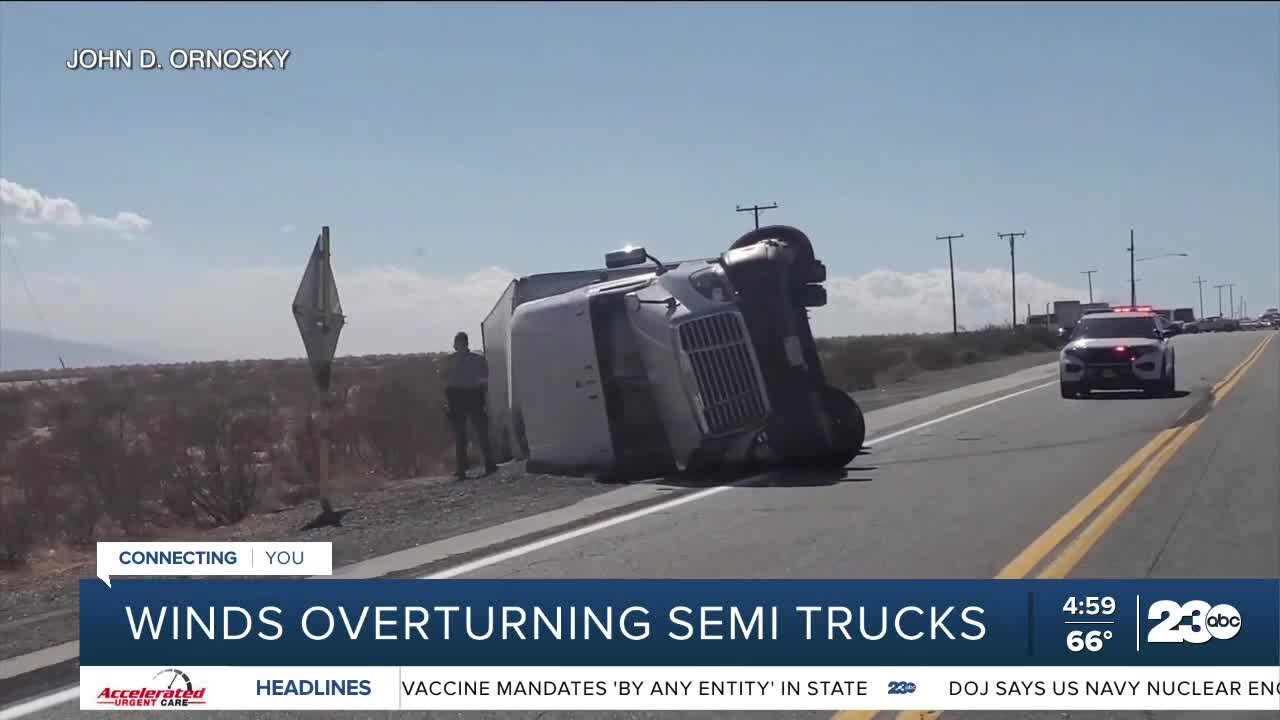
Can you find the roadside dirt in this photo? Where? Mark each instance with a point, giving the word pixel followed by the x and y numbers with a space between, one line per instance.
pixel 38 605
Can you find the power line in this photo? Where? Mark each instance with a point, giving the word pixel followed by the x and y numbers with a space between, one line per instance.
pixel 1200 282
pixel 35 307
pixel 31 297
pixel 1219 289
pixel 951 258
pixel 1013 272
pixel 1089 274
pixel 1133 285
pixel 755 210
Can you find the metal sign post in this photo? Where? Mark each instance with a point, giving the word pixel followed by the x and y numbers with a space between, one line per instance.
pixel 318 312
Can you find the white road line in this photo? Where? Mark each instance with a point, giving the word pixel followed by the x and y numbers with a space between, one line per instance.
pixel 72 693
pixel 65 695
pixel 516 552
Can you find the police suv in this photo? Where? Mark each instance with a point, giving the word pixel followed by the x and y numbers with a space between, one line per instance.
pixel 1125 349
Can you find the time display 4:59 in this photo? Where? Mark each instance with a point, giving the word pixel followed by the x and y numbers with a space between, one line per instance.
pixel 1089 606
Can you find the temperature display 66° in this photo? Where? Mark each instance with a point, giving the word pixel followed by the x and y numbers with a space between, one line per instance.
pixel 1090 619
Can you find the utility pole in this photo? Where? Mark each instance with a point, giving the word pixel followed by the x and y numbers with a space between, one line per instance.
pixel 951 259
pixel 1199 281
pixel 1219 289
pixel 1089 274
pixel 1133 286
pixel 1231 298
pixel 755 210
pixel 1013 272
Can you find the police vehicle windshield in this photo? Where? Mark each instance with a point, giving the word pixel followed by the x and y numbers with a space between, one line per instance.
pixel 1115 327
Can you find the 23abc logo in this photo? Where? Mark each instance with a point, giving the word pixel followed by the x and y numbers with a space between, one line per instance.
pixel 1192 622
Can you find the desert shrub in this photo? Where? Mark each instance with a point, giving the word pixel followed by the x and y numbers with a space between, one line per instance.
pixel 933 355
pixel 17 531
pixel 401 419
pixel 215 444
pixel 29 507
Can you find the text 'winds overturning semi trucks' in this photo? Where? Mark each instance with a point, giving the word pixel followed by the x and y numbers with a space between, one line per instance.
pixel 645 367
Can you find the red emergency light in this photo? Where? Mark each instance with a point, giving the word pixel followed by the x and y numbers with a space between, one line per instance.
pixel 1132 308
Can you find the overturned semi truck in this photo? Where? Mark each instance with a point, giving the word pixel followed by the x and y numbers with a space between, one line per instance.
pixel 644 367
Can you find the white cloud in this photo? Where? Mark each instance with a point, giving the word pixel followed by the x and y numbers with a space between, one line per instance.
pixel 245 312
pixel 288 229
pixel 125 223
pixel 33 207
pixel 886 301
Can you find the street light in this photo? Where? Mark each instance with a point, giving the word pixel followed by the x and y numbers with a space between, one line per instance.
pixel 1134 259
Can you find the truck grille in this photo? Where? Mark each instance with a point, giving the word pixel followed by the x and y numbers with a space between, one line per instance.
pixel 719 353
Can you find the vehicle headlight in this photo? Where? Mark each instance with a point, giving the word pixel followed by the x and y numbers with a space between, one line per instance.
pixel 1074 352
pixel 711 283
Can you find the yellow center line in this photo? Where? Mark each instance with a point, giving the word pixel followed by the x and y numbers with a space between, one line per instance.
pixel 1158 451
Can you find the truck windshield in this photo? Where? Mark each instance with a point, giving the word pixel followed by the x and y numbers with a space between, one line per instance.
pixel 1120 327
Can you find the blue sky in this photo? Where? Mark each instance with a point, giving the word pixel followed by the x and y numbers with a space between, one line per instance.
pixel 441 140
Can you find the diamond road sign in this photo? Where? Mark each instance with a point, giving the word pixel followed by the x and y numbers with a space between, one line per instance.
pixel 318 311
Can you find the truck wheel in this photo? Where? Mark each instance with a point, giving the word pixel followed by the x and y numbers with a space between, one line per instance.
pixel 785 233
pixel 848 426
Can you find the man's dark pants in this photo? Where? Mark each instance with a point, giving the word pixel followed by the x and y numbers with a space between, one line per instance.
pixel 467 405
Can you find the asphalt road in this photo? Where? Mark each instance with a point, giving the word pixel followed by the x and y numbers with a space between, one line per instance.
pixel 962 498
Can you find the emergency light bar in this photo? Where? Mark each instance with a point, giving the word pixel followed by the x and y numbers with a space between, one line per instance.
pixel 1132 308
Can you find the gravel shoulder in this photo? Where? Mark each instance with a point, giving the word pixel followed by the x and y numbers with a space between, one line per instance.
pixel 38 605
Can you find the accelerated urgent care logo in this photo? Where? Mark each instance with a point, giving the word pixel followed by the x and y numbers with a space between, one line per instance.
pixel 170 688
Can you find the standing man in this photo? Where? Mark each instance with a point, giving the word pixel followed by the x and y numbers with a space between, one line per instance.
pixel 465 385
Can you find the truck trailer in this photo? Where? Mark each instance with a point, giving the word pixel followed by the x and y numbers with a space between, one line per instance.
pixel 645 368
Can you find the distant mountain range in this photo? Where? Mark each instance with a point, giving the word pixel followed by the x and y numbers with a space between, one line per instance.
pixel 21 350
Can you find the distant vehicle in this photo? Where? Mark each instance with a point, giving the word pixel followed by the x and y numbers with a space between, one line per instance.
pixel 1271 316
pixel 1068 313
pixel 1184 315
pixel 1219 324
pixel 1126 349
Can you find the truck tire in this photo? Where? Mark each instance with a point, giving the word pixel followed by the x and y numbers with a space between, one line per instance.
pixel 793 237
pixel 849 427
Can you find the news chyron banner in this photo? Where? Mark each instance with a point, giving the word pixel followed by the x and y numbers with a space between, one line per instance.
pixel 286 644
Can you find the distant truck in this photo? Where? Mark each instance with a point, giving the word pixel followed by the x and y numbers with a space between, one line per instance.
pixel 1184 315
pixel 638 371
pixel 1271 316
pixel 1068 313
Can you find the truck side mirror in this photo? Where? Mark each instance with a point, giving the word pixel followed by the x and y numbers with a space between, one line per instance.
pixel 625 258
